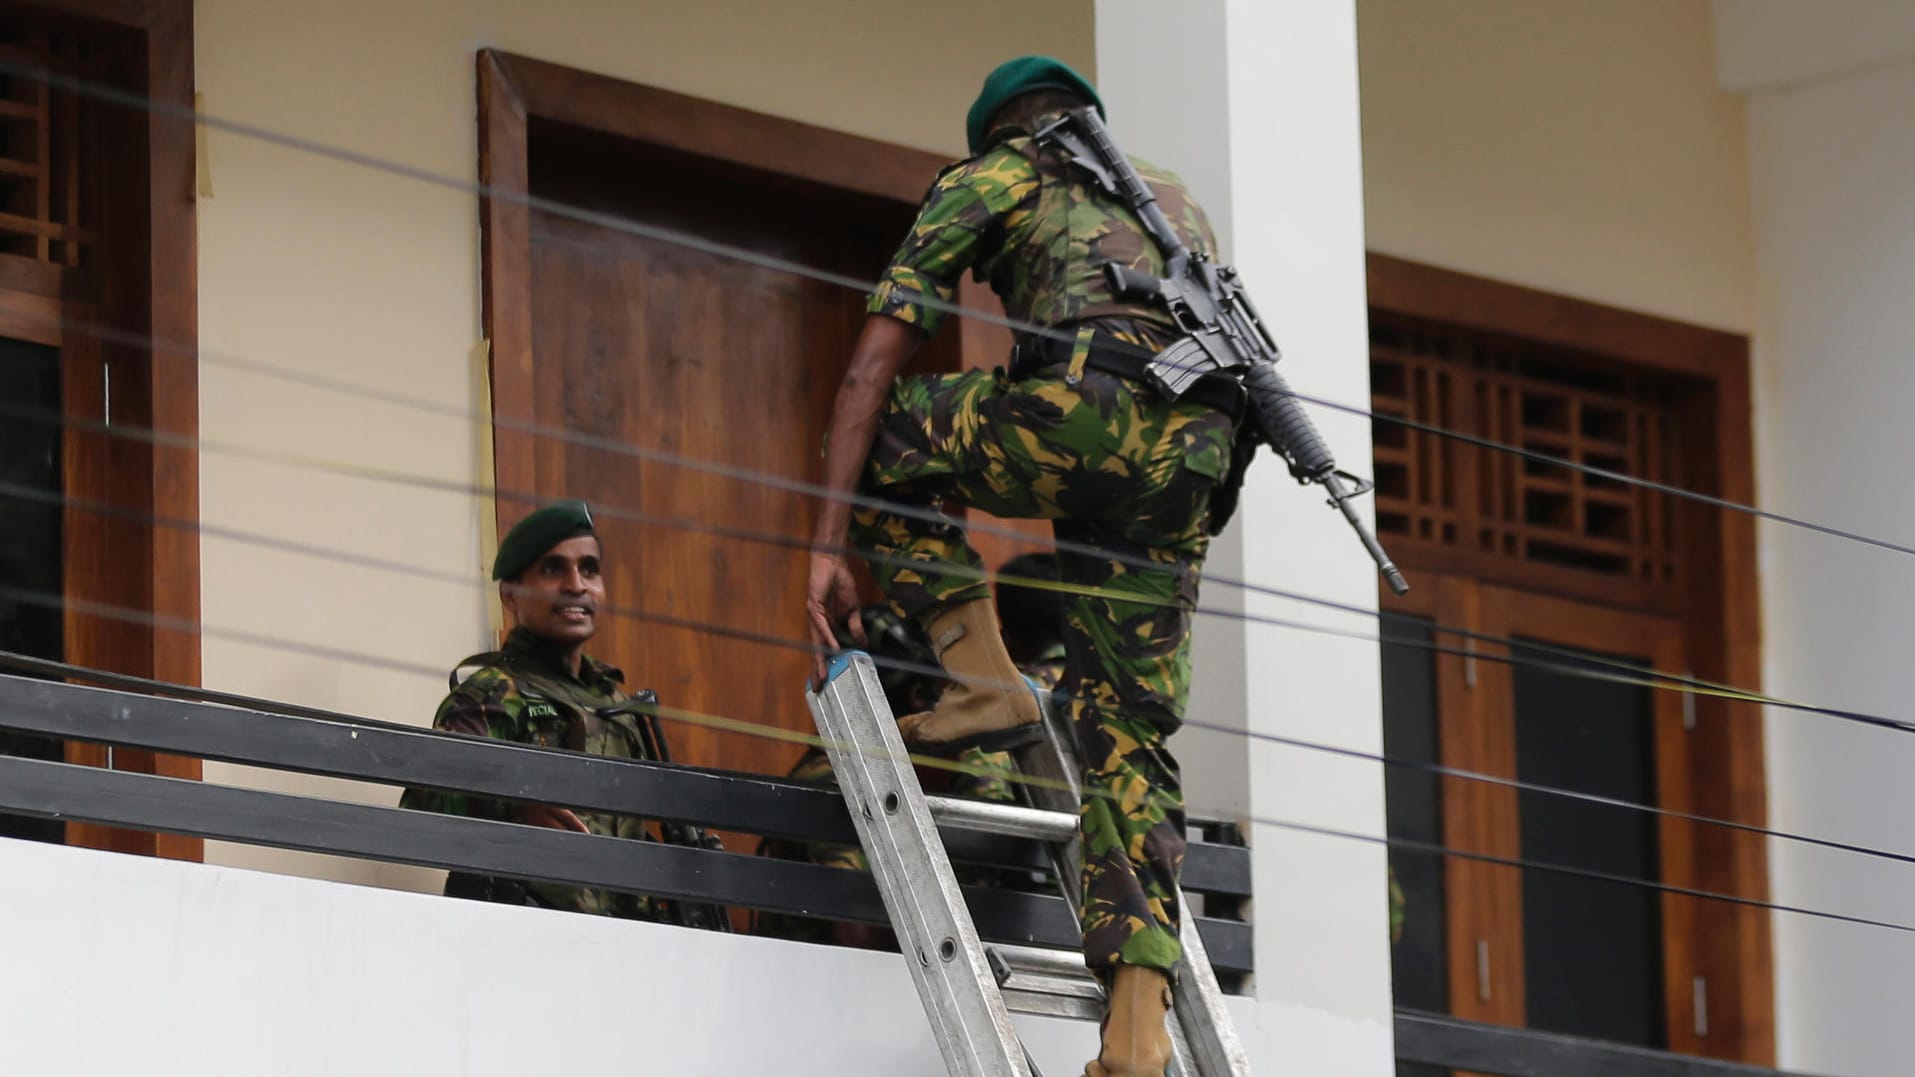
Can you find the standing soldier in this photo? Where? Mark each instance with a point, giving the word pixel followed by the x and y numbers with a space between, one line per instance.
pixel 541 688
pixel 1071 434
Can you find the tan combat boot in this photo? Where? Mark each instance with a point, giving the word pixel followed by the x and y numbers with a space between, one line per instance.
pixel 987 705
pixel 1136 1041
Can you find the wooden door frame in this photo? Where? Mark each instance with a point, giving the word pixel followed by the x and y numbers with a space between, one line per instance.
pixel 142 554
pixel 1718 615
pixel 1475 710
pixel 514 90
pixel 1514 614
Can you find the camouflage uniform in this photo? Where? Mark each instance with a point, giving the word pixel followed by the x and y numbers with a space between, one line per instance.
pixel 1111 463
pixel 525 694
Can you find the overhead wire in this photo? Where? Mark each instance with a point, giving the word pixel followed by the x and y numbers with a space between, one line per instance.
pixel 135 100
pixel 1614 670
pixel 45 667
pixel 140 101
pixel 131 99
pixel 617 512
pixel 26 493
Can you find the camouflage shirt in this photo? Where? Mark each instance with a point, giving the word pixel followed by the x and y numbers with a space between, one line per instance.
pixel 526 695
pixel 1033 226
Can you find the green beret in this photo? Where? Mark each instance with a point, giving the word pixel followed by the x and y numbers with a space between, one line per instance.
pixel 1022 75
pixel 543 529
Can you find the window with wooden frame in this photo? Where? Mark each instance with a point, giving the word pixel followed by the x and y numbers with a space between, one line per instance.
pixel 1542 598
pixel 98 320
pixel 1497 507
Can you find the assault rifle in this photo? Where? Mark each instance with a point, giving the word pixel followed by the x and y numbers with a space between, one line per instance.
pixel 643 706
pixel 1222 332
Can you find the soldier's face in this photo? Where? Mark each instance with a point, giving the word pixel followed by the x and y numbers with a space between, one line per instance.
pixel 558 596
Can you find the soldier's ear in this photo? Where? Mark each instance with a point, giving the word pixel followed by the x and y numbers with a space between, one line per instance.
pixel 509 599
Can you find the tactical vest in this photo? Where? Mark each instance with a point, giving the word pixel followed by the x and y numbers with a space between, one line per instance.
pixel 557 720
pixel 1056 277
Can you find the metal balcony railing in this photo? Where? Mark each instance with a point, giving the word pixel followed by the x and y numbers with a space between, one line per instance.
pixel 313 742
pixel 344 747
pixel 1437 1040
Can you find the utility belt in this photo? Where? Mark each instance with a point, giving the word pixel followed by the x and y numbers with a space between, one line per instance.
pixel 1124 360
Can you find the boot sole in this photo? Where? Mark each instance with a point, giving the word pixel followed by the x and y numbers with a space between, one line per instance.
pixel 996 740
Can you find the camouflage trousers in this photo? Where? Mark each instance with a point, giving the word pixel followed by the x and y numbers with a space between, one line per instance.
pixel 1113 467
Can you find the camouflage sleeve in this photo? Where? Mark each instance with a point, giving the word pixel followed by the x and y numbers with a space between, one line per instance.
pixel 958 214
pixel 485 705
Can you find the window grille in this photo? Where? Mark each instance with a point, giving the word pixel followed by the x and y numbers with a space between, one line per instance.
pixel 1439 493
pixel 49 203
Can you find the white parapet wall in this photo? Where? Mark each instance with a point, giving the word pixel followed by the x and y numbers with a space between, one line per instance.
pixel 115 965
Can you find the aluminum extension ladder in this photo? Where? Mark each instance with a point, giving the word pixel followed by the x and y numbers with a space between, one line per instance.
pixel 968 989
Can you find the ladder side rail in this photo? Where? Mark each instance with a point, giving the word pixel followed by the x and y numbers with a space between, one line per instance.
pixel 901 842
pixel 1058 786
pixel 1197 1002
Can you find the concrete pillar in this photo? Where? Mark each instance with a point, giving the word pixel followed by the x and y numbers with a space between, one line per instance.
pixel 1256 105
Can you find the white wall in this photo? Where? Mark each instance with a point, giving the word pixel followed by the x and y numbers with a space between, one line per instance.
pixel 1288 94
pixel 1834 226
pixel 323 268
pixel 1770 44
pixel 204 971
pixel 1579 148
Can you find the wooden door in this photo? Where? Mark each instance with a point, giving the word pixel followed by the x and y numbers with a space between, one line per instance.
pixel 719 375
pixel 1473 921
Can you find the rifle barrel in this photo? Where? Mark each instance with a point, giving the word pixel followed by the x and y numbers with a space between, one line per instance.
pixel 1340 497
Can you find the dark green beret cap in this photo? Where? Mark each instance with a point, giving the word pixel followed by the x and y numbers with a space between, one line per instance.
pixel 543 529
pixel 1022 75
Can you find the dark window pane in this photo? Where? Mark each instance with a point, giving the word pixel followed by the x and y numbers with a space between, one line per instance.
pixel 30 540
pixel 1413 807
pixel 1592 950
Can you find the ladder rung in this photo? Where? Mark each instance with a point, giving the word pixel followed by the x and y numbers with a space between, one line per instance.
pixel 1053 1004
pixel 1054 983
pixel 1011 819
pixel 1043 959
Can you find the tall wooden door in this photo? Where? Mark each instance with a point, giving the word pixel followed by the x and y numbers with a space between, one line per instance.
pixel 1560 943
pixel 697 385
